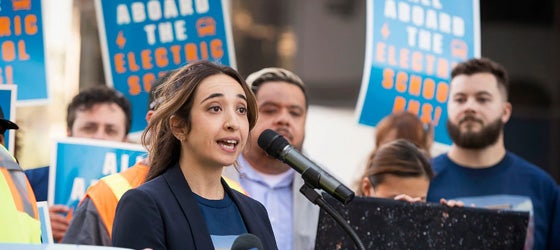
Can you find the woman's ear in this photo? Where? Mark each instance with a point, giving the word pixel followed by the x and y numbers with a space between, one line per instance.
pixel 149 115
pixel 177 127
pixel 367 188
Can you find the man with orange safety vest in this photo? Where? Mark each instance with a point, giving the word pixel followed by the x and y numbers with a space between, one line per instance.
pixel 97 112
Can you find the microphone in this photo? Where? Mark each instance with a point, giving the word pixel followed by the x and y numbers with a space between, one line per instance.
pixel 247 241
pixel 278 147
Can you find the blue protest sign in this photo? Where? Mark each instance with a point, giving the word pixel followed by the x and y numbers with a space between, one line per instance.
pixel 143 39
pixel 44 219
pixel 79 163
pixel 23 50
pixel 411 48
pixel 8 95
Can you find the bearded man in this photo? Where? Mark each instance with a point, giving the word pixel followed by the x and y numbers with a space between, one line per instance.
pixel 478 169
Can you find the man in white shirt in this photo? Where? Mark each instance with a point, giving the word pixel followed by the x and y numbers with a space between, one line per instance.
pixel 283 106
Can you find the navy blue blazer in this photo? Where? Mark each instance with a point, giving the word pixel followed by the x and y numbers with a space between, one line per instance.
pixel 163 214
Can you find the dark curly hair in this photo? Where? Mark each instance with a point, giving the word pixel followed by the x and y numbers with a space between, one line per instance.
pixel 98 94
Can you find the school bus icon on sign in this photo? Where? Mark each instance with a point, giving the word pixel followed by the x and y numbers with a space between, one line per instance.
pixel 459 49
pixel 20 5
pixel 206 26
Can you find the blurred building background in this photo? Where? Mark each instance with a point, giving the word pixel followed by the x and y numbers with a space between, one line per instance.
pixel 323 41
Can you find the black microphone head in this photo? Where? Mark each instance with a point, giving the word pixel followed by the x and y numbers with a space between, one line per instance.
pixel 272 143
pixel 247 241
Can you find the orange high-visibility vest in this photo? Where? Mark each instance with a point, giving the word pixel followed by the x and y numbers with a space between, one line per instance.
pixel 19 219
pixel 106 193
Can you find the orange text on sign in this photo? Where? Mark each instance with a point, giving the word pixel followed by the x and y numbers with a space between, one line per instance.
pixel 12 51
pixel 15 26
pixel 7 75
pixel 425 111
pixel 416 61
pixel 139 83
pixel 162 57
pixel 415 85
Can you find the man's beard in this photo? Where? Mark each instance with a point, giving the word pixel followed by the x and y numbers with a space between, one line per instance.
pixel 487 136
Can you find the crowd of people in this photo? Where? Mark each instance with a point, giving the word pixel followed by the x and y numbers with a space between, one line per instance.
pixel 206 180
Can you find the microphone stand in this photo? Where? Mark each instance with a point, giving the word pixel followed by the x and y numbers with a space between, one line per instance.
pixel 309 192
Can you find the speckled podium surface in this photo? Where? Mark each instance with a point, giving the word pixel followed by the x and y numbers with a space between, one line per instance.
pixel 390 224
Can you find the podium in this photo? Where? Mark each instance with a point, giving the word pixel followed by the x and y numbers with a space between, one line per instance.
pixel 391 224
